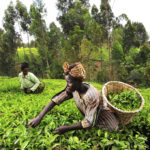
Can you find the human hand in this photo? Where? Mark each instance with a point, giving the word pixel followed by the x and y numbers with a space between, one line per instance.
pixel 22 89
pixel 121 130
pixel 34 122
pixel 61 130
pixel 29 91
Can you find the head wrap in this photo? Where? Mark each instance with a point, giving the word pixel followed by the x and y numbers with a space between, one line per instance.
pixel 76 70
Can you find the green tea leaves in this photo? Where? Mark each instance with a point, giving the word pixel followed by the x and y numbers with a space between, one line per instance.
pixel 127 100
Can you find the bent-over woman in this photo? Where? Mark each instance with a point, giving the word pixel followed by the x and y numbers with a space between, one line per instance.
pixel 87 98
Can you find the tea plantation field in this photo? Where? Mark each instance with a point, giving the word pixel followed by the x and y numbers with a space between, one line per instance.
pixel 17 109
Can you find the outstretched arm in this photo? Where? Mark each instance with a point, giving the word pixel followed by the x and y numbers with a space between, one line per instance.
pixel 57 99
pixel 86 123
pixel 34 122
pixel 63 129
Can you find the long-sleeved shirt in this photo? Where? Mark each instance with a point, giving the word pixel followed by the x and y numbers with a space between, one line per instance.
pixel 87 104
pixel 30 81
pixel 92 107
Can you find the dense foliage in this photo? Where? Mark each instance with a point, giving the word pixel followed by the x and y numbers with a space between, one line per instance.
pixel 108 49
pixel 17 109
pixel 93 35
pixel 126 100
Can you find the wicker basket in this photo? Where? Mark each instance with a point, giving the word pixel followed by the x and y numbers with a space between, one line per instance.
pixel 117 87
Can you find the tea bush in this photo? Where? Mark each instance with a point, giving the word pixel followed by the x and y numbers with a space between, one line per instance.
pixel 17 109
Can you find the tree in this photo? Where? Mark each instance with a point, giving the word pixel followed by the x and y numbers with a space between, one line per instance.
pixel 117 58
pixel 117 35
pixel 94 12
pixel 128 36
pixel 144 55
pixel 86 49
pixel 23 18
pixel 55 47
pixel 64 5
pixel 1 32
pixel 72 14
pixel 134 34
pixel 55 36
pixel 8 42
pixel 39 30
pixel 94 32
pixel 122 17
pixel 133 52
pixel 117 52
pixel 72 45
pixel 86 53
pixel 140 33
pixel 104 17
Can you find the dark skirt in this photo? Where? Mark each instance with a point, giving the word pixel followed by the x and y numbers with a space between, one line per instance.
pixel 38 90
pixel 107 120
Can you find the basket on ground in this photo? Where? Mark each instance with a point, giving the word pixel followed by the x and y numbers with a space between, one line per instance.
pixel 117 87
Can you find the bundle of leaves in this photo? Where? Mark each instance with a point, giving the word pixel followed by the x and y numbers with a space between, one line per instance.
pixel 126 100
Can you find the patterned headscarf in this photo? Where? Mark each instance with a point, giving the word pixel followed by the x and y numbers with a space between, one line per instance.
pixel 76 70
